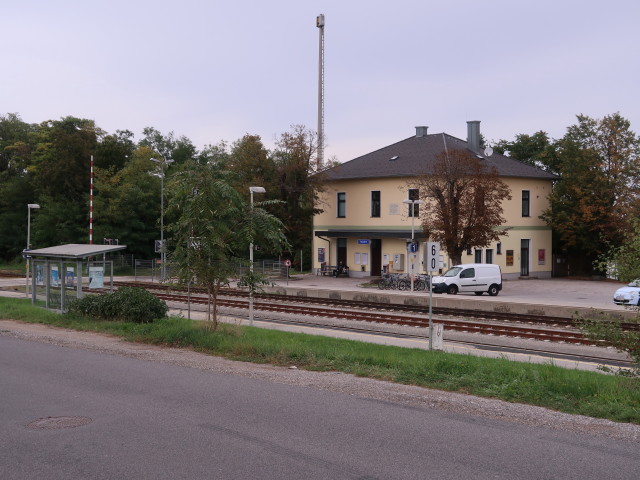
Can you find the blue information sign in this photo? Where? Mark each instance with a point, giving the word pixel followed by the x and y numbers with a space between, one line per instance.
pixel 363 242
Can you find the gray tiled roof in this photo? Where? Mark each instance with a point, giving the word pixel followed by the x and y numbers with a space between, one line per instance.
pixel 415 156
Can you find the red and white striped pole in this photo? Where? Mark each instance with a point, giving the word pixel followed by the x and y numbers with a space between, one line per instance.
pixel 91 204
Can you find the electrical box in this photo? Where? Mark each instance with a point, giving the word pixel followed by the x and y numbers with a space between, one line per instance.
pixel 398 261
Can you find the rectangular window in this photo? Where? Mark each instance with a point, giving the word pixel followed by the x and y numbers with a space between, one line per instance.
pixel 526 203
pixel 478 256
pixel 375 203
pixel 499 248
pixel 488 255
pixel 414 209
pixel 468 251
pixel 342 204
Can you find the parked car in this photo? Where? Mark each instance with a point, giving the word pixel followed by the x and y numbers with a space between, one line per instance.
pixel 472 277
pixel 629 295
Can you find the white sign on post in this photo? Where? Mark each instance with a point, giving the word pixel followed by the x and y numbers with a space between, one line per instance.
pixel 433 256
pixel 433 264
pixel 438 336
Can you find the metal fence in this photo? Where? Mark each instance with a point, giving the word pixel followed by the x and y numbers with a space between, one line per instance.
pixel 151 269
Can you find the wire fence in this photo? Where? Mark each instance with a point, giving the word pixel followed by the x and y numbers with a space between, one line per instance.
pixel 144 269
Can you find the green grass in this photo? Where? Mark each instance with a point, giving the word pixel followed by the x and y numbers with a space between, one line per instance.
pixel 572 391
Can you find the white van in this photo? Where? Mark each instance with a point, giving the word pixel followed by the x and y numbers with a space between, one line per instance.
pixel 471 277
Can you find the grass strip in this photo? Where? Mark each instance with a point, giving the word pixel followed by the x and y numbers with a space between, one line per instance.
pixel 572 391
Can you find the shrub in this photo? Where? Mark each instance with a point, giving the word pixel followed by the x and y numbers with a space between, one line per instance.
pixel 609 328
pixel 129 304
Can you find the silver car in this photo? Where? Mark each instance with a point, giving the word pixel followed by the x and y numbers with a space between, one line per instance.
pixel 629 295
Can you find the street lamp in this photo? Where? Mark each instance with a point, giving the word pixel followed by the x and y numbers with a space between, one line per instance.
pixel 29 207
pixel 413 216
pixel 163 256
pixel 252 190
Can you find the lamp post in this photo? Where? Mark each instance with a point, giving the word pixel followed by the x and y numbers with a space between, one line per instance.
pixel 29 207
pixel 252 190
pixel 413 216
pixel 163 256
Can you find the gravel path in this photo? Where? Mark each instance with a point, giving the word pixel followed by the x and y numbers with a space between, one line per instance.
pixel 332 381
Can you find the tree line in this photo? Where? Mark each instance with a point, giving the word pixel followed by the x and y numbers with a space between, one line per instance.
pixel 49 164
pixel 594 213
pixel 595 204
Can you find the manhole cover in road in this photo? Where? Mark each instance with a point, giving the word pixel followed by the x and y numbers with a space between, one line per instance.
pixel 51 423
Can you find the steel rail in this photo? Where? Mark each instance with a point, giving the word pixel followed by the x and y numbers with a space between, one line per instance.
pixel 609 362
pixel 379 306
pixel 484 328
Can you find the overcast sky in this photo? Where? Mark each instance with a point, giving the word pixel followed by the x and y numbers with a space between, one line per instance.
pixel 215 70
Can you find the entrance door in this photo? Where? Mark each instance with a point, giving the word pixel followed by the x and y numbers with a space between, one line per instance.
pixel 376 257
pixel 524 257
pixel 342 251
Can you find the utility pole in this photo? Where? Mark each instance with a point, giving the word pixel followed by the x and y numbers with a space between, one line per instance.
pixel 320 25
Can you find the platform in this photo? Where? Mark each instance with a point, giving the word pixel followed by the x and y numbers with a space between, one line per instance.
pixel 556 297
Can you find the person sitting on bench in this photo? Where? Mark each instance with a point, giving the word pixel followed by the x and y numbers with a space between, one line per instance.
pixel 341 270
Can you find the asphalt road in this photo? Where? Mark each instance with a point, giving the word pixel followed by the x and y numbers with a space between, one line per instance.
pixel 153 420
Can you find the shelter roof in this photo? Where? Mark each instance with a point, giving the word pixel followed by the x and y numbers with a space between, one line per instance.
pixel 74 251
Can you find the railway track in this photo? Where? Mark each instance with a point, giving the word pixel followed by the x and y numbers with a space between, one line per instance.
pixel 483 344
pixel 409 311
pixel 358 317
pixel 10 274
pixel 484 328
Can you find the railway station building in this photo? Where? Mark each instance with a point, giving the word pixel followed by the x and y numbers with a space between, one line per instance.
pixel 368 220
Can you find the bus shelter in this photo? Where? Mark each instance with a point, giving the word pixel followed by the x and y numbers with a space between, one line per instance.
pixel 60 273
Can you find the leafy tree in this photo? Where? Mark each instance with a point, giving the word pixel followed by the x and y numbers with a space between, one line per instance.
pixel 213 229
pixel 62 156
pixel 179 149
pixel 127 203
pixel 114 150
pixel 15 193
pixel 463 203
pixel 15 147
pixel 298 183
pixel 214 155
pixel 592 204
pixel 607 328
pixel 16 187
pixel 535 150
pixel 252 165
pixel 625 259
pixel 59 221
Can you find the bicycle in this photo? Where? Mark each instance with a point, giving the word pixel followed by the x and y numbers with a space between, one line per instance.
pixel 389 281
pixel 421 283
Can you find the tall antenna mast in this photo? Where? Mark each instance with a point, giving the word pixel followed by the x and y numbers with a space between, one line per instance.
pixel 320 25
pixel 91 202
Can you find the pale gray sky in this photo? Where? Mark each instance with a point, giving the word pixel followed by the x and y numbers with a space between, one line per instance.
pixel 215 70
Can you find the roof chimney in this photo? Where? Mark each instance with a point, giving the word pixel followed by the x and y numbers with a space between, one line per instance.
pixel 473 136
pixel 421 131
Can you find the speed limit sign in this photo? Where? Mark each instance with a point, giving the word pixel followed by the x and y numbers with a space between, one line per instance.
pixel 433 256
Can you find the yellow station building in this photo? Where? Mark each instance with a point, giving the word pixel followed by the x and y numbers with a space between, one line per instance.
pixel 366 226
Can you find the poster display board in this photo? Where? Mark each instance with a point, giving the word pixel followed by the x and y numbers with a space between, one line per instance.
pixel 96 277
pixel 70 277
pixel 55 276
